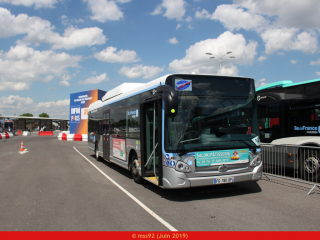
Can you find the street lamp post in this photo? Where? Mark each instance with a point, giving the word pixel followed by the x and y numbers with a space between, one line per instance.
pixel 220 57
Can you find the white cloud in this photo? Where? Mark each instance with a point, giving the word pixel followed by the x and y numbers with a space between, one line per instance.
pixel 157 10
pixel 64 83
pixel 233 17
pixel 260 83
pixel 73 38
pixel 173 9
pixel 95 80
pixel 14 86
pixel 18 105
pixel 315 62
pixel 22 64
pixel 47 79
pixel 11 101
pixel 262 58
pixel 204 14
pixel 293 61
pixel 12 25
pixel 51 88
pixel 288 13
pixel 41 31
pixel 123 1
pixel 65 80
pixel 288 39
pixel 123 56
pixel 283 25
pixel 104 10
pixel 318 73
pixel 196 60
pixel 178 26
pixel 189 19
pixel 146 72
pixel 28 3
pixel 173 40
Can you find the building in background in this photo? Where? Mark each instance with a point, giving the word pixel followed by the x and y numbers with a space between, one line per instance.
pixel 79 104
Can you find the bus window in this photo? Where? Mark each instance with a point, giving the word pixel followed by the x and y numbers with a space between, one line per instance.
pixel 269 122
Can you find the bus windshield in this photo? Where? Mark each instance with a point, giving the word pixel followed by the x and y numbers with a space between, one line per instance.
pixel 215 113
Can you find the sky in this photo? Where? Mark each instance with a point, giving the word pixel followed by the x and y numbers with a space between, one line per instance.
pixel 52 48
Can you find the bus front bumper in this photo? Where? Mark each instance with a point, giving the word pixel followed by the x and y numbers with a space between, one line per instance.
pixel 174 179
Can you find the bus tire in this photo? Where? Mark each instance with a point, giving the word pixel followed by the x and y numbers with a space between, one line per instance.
pixel 134 165
pixel 310 165
pixel 96 152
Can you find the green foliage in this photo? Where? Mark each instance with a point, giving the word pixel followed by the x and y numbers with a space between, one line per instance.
pixel 27 115
pixel 44 115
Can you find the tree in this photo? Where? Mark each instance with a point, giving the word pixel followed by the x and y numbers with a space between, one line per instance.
pixel 44 115
pixel 27 115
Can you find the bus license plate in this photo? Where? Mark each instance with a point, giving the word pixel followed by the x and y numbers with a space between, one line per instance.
pixel 223 180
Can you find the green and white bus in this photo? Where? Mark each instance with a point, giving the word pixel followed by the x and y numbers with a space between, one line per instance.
pixel 289 115
pixel 180 130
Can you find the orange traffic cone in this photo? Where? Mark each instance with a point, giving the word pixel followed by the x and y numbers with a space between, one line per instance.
pixel 22 150
pixel 22 147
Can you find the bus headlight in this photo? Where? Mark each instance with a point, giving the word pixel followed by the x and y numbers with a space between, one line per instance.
pixel 255 159
pixel 183 167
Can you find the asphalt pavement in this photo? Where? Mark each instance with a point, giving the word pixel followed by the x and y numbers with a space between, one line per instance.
pixel 54 188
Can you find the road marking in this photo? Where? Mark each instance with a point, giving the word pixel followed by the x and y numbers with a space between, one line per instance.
pixel 153 214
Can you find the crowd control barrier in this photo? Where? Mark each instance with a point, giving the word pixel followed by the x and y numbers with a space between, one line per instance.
pixel 6 135
pixel 19 132
pixel 60 136
pixel 77 137
pixel 70 136
pixel 84 137
pixel 45 133
pixel 26 133
pixel 66 136
pixel 293 162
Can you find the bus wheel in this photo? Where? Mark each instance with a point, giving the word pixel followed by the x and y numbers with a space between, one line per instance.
pixel 310 166
pixel 134 168
pixel 96 152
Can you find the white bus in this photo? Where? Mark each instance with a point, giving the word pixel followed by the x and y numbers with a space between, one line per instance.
pixel 289 115
pixel 180 130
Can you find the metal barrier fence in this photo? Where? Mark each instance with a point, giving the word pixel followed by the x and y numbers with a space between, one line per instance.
pixel 297 163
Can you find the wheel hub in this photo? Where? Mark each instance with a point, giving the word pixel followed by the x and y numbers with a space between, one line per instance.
pixel 311 165
pixel 135 166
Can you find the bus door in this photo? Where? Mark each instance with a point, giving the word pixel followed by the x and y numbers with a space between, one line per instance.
pixel 106 135
pixel 150 123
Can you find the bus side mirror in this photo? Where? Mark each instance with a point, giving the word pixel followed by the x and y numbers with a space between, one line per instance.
pixel 170 98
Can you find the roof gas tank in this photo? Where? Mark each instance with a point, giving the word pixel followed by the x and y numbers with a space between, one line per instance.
pixel 121 89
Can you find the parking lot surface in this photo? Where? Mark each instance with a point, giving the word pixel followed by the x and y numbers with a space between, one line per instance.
pixel 54 188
